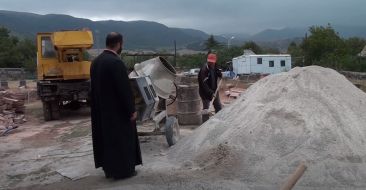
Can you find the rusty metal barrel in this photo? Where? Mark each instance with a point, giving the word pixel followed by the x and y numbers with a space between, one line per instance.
pixel 189 105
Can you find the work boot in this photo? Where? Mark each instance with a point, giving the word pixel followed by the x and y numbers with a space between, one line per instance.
pixel 205 117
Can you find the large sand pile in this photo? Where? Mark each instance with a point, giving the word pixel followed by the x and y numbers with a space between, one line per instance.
pixel 310 114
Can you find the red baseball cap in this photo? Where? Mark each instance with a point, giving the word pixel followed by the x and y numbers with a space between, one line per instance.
pixel 211 58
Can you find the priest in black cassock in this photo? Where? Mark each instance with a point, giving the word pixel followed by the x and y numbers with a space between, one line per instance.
pixel 115 141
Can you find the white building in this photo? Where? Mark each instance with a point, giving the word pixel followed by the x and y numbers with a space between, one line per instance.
pixel 250 63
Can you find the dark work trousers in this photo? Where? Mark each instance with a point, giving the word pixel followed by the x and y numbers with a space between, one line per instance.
pixel 216 103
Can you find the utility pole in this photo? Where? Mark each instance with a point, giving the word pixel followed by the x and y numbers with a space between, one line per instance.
pixel 228 41
pixel 175 53
pixel 97 41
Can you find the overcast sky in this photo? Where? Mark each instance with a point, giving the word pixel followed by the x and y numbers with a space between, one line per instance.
pixel 211 16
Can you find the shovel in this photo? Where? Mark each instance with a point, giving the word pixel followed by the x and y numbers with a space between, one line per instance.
pixel 206 111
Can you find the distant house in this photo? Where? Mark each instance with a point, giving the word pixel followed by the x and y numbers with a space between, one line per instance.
pixel 363 52
pixel 251 63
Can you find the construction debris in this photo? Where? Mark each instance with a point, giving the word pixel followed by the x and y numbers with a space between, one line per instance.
pixel 11 111
pixel 234 92
pixel 354 75
pixel 311 114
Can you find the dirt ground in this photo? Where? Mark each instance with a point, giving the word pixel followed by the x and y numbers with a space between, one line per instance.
pixel 58 155
pixel 359 83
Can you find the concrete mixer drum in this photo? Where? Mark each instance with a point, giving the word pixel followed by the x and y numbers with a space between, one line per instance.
pixel 162 76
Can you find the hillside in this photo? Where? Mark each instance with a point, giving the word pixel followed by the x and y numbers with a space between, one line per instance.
pixel 138 34
pixel 153 35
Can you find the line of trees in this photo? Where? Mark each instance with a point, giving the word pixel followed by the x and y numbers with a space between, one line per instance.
pixel 15 52
pixel 224 54
pixel 323 46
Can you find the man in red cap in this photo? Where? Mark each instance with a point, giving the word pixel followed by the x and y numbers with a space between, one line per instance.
pixel 207 80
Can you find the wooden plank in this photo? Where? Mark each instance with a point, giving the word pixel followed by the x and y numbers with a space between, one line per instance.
pixel 292 180
pixel 234 94
pixel 237 90
pixel 10 100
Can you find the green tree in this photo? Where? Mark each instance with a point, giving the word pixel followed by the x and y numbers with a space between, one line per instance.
pixel 297 55
pixel 253 46
pixel 224 56
pixel 191 61
pixel 355 45
pixel 270 50
pixel 16 53
pixel 7 44
pixel 323 47
pixel 211 43
pixel 4 33
pixel 26 51
pixel 326 48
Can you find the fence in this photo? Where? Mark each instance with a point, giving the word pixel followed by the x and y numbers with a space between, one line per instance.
pixel 7 74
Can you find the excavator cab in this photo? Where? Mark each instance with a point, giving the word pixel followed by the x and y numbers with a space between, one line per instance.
pixel 62 55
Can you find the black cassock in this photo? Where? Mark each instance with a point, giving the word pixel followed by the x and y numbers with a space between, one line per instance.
pixel 115 141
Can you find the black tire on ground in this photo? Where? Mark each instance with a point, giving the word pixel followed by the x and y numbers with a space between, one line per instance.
pixel 55 110
pixel 47 111
pixel 51 110
pixel 205 117
pixel 88 102
pixel 171 130
pixel 75 105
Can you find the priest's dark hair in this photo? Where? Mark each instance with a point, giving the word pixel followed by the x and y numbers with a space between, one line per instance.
pixel 113 39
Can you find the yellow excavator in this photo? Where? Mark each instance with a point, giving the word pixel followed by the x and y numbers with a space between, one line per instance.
pixel 63 69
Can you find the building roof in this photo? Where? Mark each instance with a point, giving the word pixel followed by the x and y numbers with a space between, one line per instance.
pixel 248 52
pixel 363 52
pixel 271 55
pixel 263 55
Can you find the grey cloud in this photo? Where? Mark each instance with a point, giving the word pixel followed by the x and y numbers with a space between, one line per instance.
pixel 211 16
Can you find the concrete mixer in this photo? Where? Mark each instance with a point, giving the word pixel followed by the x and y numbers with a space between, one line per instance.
pixel 152 82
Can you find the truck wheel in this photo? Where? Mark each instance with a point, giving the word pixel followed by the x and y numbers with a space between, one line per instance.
pixel 51 110
pixel 47 111
pixel 75 105
pixel 55 107
pixel 171 130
